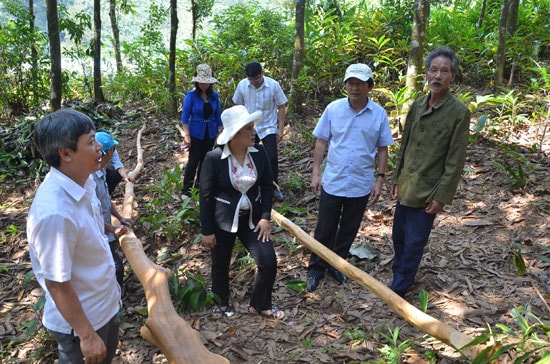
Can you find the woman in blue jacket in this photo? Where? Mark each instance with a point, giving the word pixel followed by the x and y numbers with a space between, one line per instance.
pixel 201 119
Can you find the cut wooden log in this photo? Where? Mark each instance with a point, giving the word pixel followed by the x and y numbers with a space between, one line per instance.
pixel 416 317
pixel 164 328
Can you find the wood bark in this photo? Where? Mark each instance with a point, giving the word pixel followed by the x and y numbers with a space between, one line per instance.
pixel 55 55
pixel 414 64
pixel 164 328
pixel 98 88
pixel 173 107
pixel 116 35
pixel 34 53
pixel 296 95
pixel 417 318
pixel 501 49
pixel 481 18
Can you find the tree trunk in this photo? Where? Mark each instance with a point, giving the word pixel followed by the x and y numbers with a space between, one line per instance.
pixel 193 19
pixel 481 14
pixel 172 58
pixel 296 95
pixel 414 64
pixel 34 54
pixel 512 26
pixel 501 50
pixel 98 90
pixel 116 35
pixel 55 55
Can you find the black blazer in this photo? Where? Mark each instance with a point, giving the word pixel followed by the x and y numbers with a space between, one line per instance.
pixel 218 197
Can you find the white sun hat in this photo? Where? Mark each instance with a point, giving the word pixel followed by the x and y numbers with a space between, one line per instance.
pixel 234 119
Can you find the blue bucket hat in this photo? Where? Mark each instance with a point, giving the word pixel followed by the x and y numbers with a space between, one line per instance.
pixel 106 140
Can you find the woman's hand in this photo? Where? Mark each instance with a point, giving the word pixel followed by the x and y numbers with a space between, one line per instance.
pixel 209 241
pixel 264 230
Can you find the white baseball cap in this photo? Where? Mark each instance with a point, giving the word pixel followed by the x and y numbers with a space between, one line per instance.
pixel 358 70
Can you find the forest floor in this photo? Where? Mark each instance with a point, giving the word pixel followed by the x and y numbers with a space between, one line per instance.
pixel 467 268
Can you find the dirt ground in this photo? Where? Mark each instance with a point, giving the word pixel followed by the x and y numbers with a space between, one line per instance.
pixel 467 269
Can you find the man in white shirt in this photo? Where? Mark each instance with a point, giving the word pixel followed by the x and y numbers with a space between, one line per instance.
pixel 354 130
pixel 258 92
pixel 69 252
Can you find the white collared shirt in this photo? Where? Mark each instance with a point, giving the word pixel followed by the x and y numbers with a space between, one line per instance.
pixel 266 98
pixel 67 243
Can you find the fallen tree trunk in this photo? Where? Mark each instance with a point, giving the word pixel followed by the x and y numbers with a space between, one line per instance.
pixel 417 318
pixel 164 328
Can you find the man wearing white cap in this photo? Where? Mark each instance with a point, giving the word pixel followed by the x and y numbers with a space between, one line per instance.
pixel 354 130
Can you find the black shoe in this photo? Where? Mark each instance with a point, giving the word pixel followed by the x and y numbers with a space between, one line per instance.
pixel 337 275
pixel 313 279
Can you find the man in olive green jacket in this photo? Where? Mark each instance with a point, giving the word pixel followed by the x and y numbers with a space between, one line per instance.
pixel 429 166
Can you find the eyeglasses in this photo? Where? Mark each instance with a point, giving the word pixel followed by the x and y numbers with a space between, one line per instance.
pixel 255 78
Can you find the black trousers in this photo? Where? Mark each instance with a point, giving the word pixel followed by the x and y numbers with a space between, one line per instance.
pixel 263 254
pixel 270 145
pixel 113 178
pixel 119 265
pixel 338 221
pixel 197 152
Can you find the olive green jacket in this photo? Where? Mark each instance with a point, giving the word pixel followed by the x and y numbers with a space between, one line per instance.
pixel 433 151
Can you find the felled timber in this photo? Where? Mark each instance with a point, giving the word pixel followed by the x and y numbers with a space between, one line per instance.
pixel 164 328
pixel 414 316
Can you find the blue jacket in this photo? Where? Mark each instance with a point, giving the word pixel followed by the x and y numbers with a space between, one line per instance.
pixel 193 115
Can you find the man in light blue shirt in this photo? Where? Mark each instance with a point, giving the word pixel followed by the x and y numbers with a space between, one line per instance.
pixel 354 130
pixel 258 92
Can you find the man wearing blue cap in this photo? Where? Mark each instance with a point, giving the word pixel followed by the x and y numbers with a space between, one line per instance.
pixel 355 130
pixel 107 208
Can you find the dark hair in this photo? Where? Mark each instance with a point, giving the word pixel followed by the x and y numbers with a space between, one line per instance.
pixel 209 90
pixel 253 69
pixel 442 51
pixel 60 129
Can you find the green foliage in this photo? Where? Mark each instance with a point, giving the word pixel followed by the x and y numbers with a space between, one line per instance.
pixel 357 335
pixel 530 345
pixel 424 298
pixel 516 166
pixel 166 215
pixel 17 155
pixel 296 285
pixel 241 33
pixel 201 9
pixel 189 292
pixel 394 350
pixel 519 263
pixel 23 79
pixel 146 66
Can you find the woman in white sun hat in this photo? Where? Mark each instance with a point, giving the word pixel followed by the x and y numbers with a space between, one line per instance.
pixel 236 194
pixel 201 121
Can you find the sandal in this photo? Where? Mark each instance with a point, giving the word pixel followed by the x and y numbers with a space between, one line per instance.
pixel 274 313
pixel 223 311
